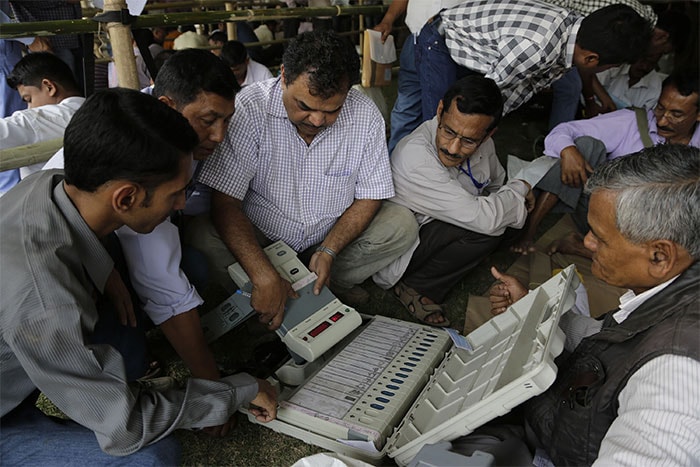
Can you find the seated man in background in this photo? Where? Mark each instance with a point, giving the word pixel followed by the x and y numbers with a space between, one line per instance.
pixel 305 161
pixel 626 390
pixel 128 162
pixel 199 86
pixel 579 146
pixel 247 71
pixel 217 39
pixel 448 174
pixel 52 95
pixel 635 85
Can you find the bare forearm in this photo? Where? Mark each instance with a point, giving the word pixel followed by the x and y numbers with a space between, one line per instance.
pixel 352 223
pixel 238 234
pixel 184 332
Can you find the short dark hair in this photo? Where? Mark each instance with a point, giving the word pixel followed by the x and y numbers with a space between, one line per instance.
pixel 686 82
pixel 190 72
pixel 218 36
pixel 34 67
pixel 330 60
pixel 122 134
pixel 475 94
pixel 678 26
pixel 616 33
pixel 233 53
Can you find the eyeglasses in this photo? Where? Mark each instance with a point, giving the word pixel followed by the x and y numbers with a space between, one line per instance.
pixel 673 116
pixel 450 134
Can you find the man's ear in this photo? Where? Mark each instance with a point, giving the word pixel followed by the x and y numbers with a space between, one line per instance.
pixel 663 257
pixel 124 197
pixel 439 109
pixel 284 80
pixel 591 59
pixel 168 101
pixel 50 86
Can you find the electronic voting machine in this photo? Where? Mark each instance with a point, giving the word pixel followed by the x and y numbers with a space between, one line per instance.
pixel 312 323
pixel 393 386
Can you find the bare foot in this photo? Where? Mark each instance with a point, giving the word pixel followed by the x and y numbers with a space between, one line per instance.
pixel 571 244
pixel 524 246
pixel 436 317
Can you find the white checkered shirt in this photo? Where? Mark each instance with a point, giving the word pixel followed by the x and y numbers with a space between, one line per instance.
pixel 523 45
pixel 290 190
pixel 586 7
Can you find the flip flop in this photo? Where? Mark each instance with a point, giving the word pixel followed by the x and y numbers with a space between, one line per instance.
pixel 410 299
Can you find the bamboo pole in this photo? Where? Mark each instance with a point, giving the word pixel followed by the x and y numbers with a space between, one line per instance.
pixel 231 32
pixel 50 28
pixel 22 156
pixel 122 48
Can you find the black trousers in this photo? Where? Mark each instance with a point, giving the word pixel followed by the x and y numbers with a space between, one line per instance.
pixel 446 253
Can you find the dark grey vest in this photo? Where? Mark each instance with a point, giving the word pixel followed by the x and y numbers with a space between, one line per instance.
pixel 571 418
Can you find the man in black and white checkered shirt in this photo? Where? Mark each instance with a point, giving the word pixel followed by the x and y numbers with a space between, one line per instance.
pixel 523 45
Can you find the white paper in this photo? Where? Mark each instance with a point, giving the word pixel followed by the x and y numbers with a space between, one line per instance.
pixel 378 52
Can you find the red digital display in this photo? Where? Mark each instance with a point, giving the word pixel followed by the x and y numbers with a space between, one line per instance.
pixel 319 329
pixel 336 317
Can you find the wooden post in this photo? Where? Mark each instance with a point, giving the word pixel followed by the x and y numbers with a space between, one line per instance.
pixel 122 48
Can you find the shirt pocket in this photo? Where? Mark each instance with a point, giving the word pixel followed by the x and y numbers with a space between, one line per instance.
pixel 336 194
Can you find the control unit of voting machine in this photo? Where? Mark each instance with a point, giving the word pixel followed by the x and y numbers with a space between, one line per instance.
pixel 393 386
pixel 312 323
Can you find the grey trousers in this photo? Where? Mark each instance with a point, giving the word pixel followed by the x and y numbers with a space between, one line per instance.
pixel 572 199
pixel 390 234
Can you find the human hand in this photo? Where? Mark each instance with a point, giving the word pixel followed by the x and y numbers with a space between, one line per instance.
pixel 264 406
pixel 40 44
pixel 508 291
pixel 529 197
pixel 119 296
pixel 321 264
pixel 574 168
pixel 268 299
pixel 385 28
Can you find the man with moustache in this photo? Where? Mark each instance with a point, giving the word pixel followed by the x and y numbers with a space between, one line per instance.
pixel 448 174
pixel 305 161
pixel 626 391
pixel 674 120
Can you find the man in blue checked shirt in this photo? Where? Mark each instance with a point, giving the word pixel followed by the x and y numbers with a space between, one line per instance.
pixel 305 161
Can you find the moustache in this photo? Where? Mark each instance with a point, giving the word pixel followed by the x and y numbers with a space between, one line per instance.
pixel 447 153
pixel 664 128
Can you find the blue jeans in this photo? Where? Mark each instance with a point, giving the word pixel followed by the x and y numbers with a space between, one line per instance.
pixel 566 95
pixel 30 438
pixel 407 112
pixel 436 69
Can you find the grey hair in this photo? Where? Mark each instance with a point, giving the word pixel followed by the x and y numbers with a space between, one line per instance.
pixel 658 194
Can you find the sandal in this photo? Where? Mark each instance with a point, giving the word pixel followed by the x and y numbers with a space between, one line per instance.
pixel 410 299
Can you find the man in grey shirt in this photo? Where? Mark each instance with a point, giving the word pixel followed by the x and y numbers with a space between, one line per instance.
pixel 127 162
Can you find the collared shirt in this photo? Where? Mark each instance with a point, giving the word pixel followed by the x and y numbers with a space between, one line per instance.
pixel 523 45
pixel 43 123
pixel 432 191
pixel 52 263
pixel 290 190
pixel 644 93
pixel 618 131
pixel 153 259
pixel 256 72
pixel 38 124
pixel 658 418
pixel 586 7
